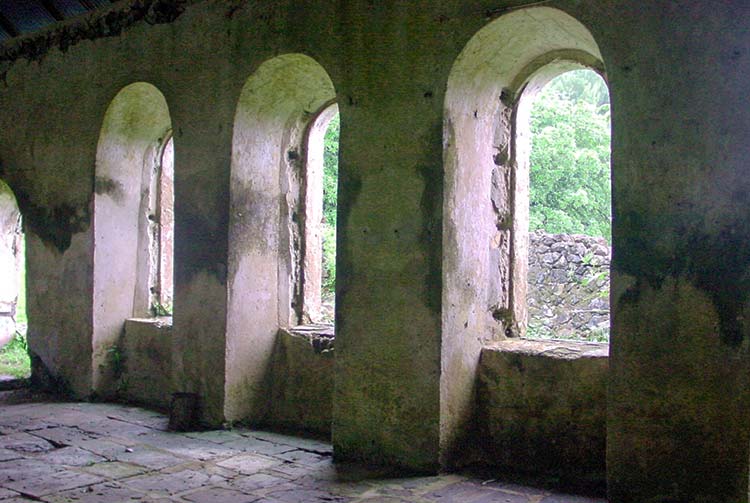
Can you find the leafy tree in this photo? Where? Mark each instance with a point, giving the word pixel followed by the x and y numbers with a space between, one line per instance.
pixel 330 192
pixel 570 156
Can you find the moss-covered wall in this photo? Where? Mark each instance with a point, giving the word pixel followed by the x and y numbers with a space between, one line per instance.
pixel 678 402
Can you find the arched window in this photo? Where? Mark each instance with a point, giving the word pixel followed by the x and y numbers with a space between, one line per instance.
pixel 134 151
pixel 565 126
pixel 162 282
pixel 276 108
pixel 486 188
pixel 486 209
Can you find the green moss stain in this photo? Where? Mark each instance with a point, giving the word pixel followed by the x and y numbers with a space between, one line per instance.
pixel 55 225
pixel 349 189
pixel 715 262
pixel 431 207
pixel 206 250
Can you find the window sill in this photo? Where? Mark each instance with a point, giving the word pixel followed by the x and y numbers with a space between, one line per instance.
pixel 156 321
pixel 552 348
pixel 320 336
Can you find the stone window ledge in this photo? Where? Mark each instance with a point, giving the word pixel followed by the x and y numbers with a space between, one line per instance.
pixel 320 336
pixel 553 348
pixel 156 321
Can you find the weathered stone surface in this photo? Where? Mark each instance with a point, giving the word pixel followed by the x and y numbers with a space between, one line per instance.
pixel 113 469
pixel 219 495
pixel 301 395
pixel 106 492
pixel 47 483
pixel 146 373
pixel 248 464
pixel 25 443
pixel 542 407
pixel 71 456
pixel 421 287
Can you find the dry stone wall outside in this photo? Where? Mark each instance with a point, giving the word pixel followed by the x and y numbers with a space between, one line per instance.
pixel 568 286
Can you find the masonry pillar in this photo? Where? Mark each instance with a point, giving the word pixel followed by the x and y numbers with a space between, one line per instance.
pixel 387 399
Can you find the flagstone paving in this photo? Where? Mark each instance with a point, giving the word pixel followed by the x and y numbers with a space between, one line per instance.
pixel 65 452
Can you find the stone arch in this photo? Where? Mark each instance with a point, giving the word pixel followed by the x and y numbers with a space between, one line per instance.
pixel 485 209
pixel 135 127
pixel 276 105
pixel 11 262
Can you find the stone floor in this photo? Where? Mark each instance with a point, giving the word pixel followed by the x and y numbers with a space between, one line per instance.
pixel 83 452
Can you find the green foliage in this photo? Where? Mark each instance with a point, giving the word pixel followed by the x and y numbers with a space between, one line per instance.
pixel 330 193
pixel 159 309
pixel 14 358
pixel 570 157
pixel 539 331
pixel 329 258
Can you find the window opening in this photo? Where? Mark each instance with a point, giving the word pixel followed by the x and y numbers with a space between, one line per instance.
pixel 570 209
pixel 319 268
pixel 330 194
pixel 164 231
pixel 14 356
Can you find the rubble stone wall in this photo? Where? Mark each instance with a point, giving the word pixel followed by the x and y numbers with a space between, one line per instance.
pixel 568 286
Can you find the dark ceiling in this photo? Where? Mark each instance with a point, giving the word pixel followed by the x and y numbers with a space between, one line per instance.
pixel 18 17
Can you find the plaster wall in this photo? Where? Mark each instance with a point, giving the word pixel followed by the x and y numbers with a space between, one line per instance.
pixel 678 394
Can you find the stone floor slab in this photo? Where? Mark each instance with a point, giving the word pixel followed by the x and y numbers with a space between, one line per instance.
pixel 115 469
pixel 7 493
pixel 21 469
pixel 173 483
pixel 42 485
pixel 149 457
pixel 256 482
pixel 25 443
pixel 108 492
pixel 70 456
pixel 219 495
pixel 248 464
pixel 63 452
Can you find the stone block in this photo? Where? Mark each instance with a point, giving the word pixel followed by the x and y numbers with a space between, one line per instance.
pixel 542 407
pixel 302 385
pixel 147 355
